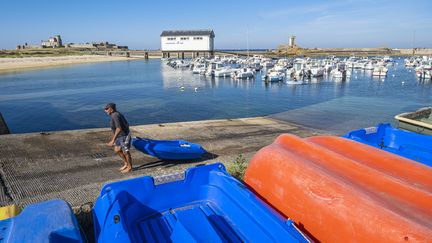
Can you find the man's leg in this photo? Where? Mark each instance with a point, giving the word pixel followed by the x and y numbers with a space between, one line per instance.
pixel 119 151
pixel 128 158
pixel 128 162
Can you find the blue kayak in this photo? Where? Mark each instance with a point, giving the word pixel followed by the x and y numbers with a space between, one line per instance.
pixel 169 149
pixel 203 204
pixel 407 144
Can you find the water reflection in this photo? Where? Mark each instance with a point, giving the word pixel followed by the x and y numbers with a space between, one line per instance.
pixel 152 92
pixel 180 78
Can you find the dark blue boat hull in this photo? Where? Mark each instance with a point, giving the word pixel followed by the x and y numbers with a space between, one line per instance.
pixel 410 145
pixel 169 149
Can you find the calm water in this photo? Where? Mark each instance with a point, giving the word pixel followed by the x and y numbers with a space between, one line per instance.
pixel 149 92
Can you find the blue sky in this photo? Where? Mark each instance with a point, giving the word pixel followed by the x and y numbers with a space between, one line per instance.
pixel 138 24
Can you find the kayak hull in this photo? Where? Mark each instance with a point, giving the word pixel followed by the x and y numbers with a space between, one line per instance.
pixel 169 149
pixel 340 190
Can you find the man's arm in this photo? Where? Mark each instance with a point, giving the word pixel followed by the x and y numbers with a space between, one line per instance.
pixel 116 133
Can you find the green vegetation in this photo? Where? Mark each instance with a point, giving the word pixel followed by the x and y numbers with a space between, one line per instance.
pixel 57 52
pixel 238 167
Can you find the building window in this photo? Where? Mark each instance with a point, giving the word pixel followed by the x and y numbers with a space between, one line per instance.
pixel 171 38
pixel 184 38
pixel 197 38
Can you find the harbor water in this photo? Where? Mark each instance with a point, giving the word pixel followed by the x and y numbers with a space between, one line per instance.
pixel 73 97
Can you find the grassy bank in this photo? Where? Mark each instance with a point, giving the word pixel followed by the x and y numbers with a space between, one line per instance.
pixel 43 53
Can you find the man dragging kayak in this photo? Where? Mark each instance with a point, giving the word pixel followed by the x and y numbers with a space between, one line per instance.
pixel 121 138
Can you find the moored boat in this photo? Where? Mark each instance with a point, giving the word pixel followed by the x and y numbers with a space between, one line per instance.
pixel 223 72
pixel 243 73
pixel 274 76
pixel 419 121
pixel 380 71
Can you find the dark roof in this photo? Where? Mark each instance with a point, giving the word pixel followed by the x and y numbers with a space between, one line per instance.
pixel 187 33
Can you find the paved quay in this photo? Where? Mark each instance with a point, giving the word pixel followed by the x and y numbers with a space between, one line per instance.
pixel 74 165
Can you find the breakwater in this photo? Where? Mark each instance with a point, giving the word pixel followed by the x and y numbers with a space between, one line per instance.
pixel 282 51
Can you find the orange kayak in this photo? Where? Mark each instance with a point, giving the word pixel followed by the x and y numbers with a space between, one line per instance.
pixel 340 190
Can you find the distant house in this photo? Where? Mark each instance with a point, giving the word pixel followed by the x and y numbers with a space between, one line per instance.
pixel 190 42
pixel 53 42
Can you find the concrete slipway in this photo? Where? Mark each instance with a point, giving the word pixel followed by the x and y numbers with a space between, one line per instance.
pixel 74 165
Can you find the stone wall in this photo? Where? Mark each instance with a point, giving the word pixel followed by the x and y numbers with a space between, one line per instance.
pixel 417 51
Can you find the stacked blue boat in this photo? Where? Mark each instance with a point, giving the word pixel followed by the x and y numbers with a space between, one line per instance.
pixel 407 144
pixel 50 221
pixel 208 205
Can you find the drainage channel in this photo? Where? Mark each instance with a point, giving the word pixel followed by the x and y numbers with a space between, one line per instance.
pixel 5 195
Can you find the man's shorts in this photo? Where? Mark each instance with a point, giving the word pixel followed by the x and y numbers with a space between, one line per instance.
pixel 123 142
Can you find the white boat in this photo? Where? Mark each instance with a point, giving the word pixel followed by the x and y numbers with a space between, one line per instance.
pixel 369 66
pixel 275 76
pixel 350 64
pixel 340 73
pixel 299 68
pixel 317 71
pixel 267 64
pixel 335 73
pixel 199 68
pixel 328 67
pixel 182 64
pixel 223 72
pixel 424 74
pixel 280 68
pixel 360 64
pixel 290 72
pixel 380 71
pixel 211 69
pixel 256 66
pixel 410 62
pixel 243 73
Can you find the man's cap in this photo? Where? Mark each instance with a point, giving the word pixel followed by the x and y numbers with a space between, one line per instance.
pixel 110 105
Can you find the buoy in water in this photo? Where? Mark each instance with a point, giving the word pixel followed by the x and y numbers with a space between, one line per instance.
pixel 196 89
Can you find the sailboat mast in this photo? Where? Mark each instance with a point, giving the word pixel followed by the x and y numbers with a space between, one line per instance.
pixel 247 40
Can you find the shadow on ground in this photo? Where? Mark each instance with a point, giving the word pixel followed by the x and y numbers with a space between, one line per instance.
pixel 171 163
